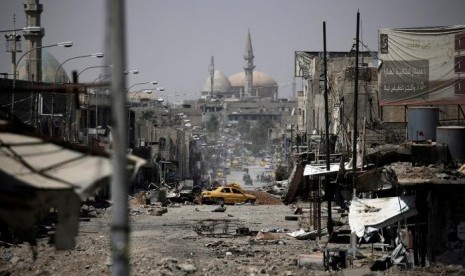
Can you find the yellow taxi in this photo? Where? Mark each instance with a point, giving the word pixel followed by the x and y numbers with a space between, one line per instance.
pixel 229 194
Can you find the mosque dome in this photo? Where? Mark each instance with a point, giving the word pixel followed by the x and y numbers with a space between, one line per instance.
pixel 220 83
pixel 49 69
pixel 263 86
pixel 259 80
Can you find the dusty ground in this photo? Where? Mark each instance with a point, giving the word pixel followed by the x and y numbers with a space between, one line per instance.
pixel 169 245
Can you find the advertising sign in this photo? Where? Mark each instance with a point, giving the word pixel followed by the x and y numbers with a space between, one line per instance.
pixel 422 66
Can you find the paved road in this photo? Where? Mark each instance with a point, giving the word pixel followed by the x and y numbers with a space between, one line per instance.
pixel 254 170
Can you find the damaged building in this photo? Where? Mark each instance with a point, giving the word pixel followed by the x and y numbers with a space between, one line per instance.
pixel 309 67
pixel 169 148
pixel 409 184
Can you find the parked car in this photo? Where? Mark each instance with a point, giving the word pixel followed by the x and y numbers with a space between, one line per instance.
pixel 229 194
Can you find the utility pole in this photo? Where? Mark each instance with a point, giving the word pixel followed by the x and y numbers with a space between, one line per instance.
pixel 353 237
pixel 12 46
pixel 119 182
pixel 327 182
pixel 294 89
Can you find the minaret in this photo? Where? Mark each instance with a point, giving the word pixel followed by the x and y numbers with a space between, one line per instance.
pixel 33 36
pixel 248 68
pixel 211 69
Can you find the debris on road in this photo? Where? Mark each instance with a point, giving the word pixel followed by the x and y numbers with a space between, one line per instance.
pixel 264 198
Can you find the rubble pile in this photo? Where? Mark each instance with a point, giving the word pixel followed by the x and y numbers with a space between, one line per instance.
pixel 389 153
pixel 139 198
pixel 263 198
pixel 431 173
pixel 405 169
pixel 277 188
pixel 172 266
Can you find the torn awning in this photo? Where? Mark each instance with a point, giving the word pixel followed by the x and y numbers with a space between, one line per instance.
pixel 379 212
pixel 37 174
pixel 37 162
pixel 33 162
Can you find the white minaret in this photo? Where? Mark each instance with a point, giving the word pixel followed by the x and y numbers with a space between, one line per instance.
pixel 248 68
pixel 33 37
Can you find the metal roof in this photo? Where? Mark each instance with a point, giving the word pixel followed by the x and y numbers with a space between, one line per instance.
pixel 45 165
pixel 379 212
pixel 37 173
pixel 318 169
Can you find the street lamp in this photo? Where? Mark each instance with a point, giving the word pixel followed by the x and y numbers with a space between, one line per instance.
pixel 135 72
pixel 96 55
pixel 92 67
pixel 132 96
pixel 68 109
pixel 140 83
pixel 105 76
pixel 65 44
pixel 101 78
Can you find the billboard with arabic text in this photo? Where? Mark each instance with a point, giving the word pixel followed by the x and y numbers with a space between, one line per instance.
pixel 422 66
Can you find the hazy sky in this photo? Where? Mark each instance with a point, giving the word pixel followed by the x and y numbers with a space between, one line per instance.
pixel 171 41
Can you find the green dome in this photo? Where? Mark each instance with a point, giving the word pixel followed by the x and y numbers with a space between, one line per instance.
pixel 49 69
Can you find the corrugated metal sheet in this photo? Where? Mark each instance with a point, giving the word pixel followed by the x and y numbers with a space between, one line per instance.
pixel 379 212
pixel 294 183
pixel 320 169
pixel 45 165
pixel 37 174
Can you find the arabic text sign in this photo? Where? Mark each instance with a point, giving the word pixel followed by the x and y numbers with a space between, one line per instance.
pixel 422 66
pixel 404 79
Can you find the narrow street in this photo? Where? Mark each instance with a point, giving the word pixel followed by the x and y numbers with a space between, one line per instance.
pixel 236 176
pixel 212 138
